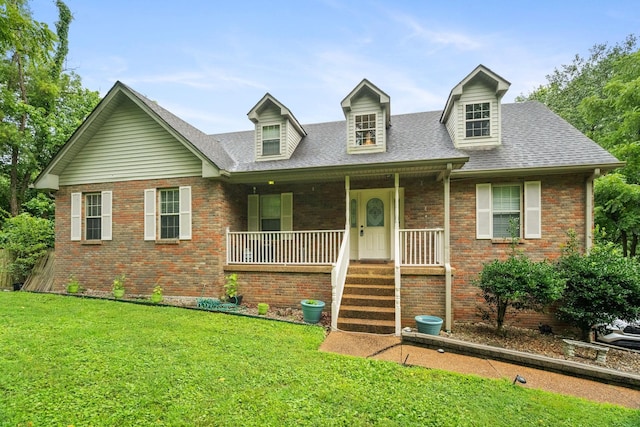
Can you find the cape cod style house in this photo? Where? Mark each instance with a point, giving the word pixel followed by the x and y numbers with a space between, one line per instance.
pixel 384 216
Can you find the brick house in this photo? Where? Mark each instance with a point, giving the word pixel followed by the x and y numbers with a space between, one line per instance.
pixel 384 216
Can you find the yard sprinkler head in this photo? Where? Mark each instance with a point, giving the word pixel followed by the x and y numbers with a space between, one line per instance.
pixel 519 379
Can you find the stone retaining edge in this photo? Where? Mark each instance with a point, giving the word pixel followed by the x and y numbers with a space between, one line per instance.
pixel 567 367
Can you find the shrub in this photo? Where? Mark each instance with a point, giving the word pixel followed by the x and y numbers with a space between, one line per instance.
pixel 519 283
pixel 26 238
pixel 601 286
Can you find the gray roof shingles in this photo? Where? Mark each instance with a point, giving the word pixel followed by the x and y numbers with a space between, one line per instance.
pixel 532 137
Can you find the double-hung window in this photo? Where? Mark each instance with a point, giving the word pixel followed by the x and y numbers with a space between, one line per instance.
pixel 503 209
pixel 271 140
pixel 477 119
pixel 91 216
pixel 365 129
pixel 167 214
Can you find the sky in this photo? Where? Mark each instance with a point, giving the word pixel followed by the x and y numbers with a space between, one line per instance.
pixel 209 62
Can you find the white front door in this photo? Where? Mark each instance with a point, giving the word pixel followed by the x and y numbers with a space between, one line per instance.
pixel 374 224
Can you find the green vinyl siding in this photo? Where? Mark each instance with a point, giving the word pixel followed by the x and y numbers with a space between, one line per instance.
pixel 130 145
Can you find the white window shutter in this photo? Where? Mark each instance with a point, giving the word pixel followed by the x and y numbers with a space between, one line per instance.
pixel 150 214
pixel 253 212
pixel 185 213
pixel 532 210
pixel 484 220
pixel 107 197
pixel 76 216
pixel 286 212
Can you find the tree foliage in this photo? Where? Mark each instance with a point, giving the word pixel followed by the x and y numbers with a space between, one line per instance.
pixel 618 211
pixel 601 286
pixel 40 105
pixel 26 238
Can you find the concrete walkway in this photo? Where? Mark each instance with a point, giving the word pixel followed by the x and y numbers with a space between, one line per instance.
pixel 391 348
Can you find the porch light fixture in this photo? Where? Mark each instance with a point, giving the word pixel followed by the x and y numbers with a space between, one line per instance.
pixel 271 182
pixel 519 379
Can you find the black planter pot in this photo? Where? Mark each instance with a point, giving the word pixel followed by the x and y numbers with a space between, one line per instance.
pixel 17 286
pixel 237 300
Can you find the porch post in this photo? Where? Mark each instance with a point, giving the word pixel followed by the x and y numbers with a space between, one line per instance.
pixel 588 232
pixel 396 249
pixel 347 188
pixel 447 247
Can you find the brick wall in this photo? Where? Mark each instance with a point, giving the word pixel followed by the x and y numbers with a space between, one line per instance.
pixel 185 268
pixel 563 207
pixel 284 289
pixel 196 267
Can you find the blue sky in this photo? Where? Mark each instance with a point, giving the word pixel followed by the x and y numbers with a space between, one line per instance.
pixel 210 62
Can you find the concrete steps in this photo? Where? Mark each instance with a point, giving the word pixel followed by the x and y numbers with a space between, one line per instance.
pixel 368 300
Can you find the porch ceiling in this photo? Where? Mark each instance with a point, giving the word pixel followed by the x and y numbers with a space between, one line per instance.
pixel 332 174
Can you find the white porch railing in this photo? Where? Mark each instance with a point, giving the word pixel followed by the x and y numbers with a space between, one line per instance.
pixel 338 278
pixel 283 247
pixel 421 247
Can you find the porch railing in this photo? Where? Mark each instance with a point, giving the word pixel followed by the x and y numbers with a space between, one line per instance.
pixel 338 278
pixel 421 247
pixel 284 247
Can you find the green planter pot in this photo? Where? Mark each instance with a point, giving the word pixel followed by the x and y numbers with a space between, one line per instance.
pixel 73 289
pixel 311 313
pixel 263 308
pixel 429 325
pixel 156 298
pixel 118 293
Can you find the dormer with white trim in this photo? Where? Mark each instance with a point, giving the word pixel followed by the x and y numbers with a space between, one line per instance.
pixel 277 131
pixel 472 114
pixel 368 111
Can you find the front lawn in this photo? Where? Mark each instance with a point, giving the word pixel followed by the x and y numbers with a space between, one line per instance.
pixel 72 361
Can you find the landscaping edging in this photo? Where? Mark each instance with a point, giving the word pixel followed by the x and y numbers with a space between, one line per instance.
pixel 567 367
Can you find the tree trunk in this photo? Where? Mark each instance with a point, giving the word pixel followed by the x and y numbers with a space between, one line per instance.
pixel 623 237
pixel 634 245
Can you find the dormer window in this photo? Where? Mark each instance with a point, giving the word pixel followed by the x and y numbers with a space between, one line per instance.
pixel 473 111
pixel 477 119
pixel 277 131
pixel 365 129
pixel 271 140
pixel 367 110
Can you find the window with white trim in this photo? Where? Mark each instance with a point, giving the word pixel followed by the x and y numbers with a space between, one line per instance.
pixel 167 213
pixel 365 129
pixel 91 216
pixel 271 140
pixel 477 119
pixel 500 205
pixel 506 208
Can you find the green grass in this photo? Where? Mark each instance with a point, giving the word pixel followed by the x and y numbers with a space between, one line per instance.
pixel 83 362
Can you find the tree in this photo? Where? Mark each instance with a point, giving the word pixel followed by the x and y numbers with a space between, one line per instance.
pixel 618 211
pixel 613 116
pixel 601 286
pixel 584 77
pixel 34 91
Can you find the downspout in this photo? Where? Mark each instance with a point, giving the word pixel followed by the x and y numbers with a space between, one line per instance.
pixel 588 231
pixel 396 256
pixel 447 249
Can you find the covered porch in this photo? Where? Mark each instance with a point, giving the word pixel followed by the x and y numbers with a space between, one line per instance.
pixel 381 224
